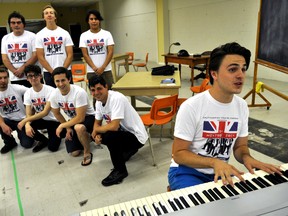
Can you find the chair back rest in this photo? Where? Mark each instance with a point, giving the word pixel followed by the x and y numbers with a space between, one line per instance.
pixel 204 84
pixel 146 58
pixel 78 69
pixel 164 107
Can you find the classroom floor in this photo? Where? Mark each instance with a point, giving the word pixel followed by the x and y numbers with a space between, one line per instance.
pixel 46 183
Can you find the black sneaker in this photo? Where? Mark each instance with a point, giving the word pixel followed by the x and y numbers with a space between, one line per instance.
pixel 7 148
pixel 115 177
pixel 129 154
pixel 39 146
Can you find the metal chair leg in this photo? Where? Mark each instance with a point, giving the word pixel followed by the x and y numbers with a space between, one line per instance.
pixel 151 148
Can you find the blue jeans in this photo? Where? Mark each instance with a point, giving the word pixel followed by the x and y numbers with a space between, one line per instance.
pixel 183 176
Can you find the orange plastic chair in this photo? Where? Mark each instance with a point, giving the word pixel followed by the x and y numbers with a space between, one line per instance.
pixel 203 87
pixel 162 112
pixel 141 64
pixel 130 61
pixel 78 73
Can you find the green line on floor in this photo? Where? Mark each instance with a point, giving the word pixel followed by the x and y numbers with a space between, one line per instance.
pixel 16 184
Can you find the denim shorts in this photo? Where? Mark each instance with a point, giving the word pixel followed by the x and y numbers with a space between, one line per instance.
pixel 183 176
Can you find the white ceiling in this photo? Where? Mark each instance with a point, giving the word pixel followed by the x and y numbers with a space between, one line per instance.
pixel 65 3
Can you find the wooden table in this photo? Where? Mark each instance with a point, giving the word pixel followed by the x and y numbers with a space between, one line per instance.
pixel 143 83
pixel 190 60
pixel 118 57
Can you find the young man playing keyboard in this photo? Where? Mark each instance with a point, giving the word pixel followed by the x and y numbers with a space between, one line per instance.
pixel 213 124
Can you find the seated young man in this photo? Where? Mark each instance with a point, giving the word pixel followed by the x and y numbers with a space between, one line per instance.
pixel 123 133
pixel 213 124
pixel 38 114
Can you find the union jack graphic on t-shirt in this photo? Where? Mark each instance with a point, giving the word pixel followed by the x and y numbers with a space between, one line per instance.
pixel 107 118
pixel 53 40
pixel 17 47
pixel 9 104
pixel 95 46
pixel 38 103
pixel 220 129
pixel 68 108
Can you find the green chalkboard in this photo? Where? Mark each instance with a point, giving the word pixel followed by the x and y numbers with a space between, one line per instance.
pixel 273 33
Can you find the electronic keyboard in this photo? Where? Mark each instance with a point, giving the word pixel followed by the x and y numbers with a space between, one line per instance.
pixel 260 194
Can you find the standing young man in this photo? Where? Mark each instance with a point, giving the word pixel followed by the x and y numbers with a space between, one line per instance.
pixel 97 47
pixel 213 124
pixel 38 111
pixel 123 133
pixel 18 49
pixel 54 46
pixel 74 102
pixel 12 111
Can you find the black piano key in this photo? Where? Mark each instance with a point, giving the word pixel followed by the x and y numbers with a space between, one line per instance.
pixel 207 195
pixel 218 193
pixel 281 178
pixel 191 197
pixel 184 202
pixel 123 213
pixel 211 192
pixel 198 197
pixel 256 181
pixel 243 184
pixel 148 213
pixel 285 173
pixel 238 185
pixel 116 214
pixel 163 207
pixel 133 212
pixel 263 182
pixel 251 185
pixel 278 178
pixel 227 191
pixel 232 189
pixel 178 203
pixel 271 179
pixel 172 204
pixel 140 212
pixel 158 212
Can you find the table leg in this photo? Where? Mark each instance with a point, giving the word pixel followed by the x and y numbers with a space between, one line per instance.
pixel 192 76
pixel 133 101
pixel 179 70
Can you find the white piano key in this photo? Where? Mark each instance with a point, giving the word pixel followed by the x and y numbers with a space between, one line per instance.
pixel 149 203
pixel 83 214
pixel 185 195
pixel 164 202
pixel 144 205
pixel 211 185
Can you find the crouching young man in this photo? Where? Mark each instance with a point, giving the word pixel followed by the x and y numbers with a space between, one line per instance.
pixel 124 132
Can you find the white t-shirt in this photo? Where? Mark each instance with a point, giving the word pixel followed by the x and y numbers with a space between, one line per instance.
pixel 77 97
pixel 96 44
pixel 211 126
pixel 38 100
pixel 11 103
pixel 19 49
pixel 54 43
pixel 118 107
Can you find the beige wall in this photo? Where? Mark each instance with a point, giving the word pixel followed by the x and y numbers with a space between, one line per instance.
pixel 29 11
